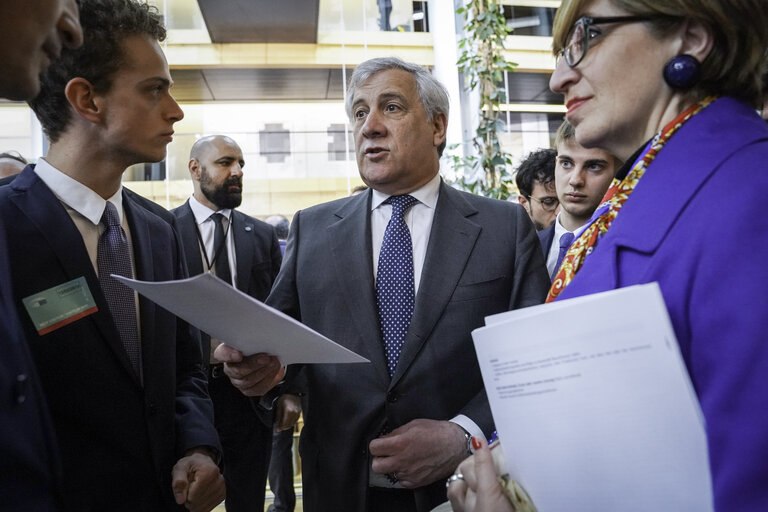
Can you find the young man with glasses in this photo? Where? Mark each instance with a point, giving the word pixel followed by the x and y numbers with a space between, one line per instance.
pixel 535 180
pixel 582 176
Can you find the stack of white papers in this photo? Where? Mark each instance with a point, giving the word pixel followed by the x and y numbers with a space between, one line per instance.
pixel 594 407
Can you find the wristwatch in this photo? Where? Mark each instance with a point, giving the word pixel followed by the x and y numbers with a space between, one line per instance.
pixel 468 440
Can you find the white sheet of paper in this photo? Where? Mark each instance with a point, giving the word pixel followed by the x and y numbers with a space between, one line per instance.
pixel 594 407
pixel 241 321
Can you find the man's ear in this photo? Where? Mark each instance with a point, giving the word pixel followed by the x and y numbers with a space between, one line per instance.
pixel 81 96
pixel 194 169
pixel 439 126
pixel 525 203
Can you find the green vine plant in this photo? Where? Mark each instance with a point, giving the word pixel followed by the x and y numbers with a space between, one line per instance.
pixel 486 171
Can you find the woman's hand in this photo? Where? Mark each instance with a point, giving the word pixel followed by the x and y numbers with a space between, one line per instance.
pixel 478 489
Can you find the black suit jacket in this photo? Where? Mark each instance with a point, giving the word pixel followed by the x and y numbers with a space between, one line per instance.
pixel 545 238
pixel 257 253
pixel 119 437
pixel 483 258
pixel 29 459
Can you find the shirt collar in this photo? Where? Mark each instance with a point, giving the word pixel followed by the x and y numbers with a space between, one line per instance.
pixel 560 230
pixel 77 196
pixel 426 194
pixel 202 213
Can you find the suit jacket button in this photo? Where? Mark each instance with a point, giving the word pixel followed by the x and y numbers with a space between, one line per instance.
pixel 392 397
pixel 151 410
pixel 20 393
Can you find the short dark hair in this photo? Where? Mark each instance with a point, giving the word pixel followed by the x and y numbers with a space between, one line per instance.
pixel 105 24
pixel 538 166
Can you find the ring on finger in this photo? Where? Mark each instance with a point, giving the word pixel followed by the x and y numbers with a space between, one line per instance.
pixel 453 478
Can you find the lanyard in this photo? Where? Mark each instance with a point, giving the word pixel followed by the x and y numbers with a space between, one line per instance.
pixel 218 249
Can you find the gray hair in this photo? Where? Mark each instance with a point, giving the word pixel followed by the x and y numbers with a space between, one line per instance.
pixel 433 95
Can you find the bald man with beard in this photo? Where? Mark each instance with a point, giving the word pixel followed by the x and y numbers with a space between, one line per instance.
pixel 244 252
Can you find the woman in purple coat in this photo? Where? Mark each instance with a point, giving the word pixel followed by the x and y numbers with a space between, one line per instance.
pixel 670 86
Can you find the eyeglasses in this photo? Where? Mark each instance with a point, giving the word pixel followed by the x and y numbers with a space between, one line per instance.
pixel 577 42
pixel 548 204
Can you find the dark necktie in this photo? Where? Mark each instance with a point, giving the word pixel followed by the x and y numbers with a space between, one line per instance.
pixel 394 280
pixel 221 253
pixel 113 256
pixel 565 242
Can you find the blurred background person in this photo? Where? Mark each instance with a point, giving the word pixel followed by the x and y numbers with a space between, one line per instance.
pixel 282 226
pixel 244 252
pixel 671 87
pixel 535 180
pixel 11 164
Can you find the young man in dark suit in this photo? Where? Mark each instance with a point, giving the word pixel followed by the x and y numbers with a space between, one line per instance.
pixel 412 267
pixel 244 252
pixel 582 176
pixel 30 473
pixel 123 378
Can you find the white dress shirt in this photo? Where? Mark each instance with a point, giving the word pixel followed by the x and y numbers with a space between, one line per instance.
pixel 554 249
pixel 206 227
pixel 418 219
pixel 85 207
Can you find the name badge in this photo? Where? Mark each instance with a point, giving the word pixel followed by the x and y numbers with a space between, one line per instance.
pixel 60 305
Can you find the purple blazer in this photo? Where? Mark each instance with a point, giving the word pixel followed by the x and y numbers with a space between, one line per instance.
pixel 697 224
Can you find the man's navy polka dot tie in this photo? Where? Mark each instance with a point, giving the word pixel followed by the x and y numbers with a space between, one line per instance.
pixel 394 280
pixel 113 256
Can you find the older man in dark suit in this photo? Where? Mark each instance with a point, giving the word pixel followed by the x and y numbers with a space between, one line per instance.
pixel 244 252
pixel 411 268
pixel 123 378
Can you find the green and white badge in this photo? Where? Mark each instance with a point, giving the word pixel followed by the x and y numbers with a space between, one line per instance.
pixel 60 305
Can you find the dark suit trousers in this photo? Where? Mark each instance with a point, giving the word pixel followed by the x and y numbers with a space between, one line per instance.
pixel 246 442
pixel 281 472
pixel 390 500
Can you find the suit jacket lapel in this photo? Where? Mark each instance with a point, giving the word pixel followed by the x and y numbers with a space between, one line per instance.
pixel 188 232
pixel 186 226
pixel 450 244
pixel 51 218
pixel 242 230
pixel 353 268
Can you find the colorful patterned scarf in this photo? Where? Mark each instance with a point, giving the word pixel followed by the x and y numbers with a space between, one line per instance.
pixel 614 199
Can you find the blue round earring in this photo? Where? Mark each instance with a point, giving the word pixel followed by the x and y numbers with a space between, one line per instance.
pixel 682 72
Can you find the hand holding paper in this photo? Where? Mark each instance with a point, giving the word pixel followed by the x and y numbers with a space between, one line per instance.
pixel 479 490
pixel 253 375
